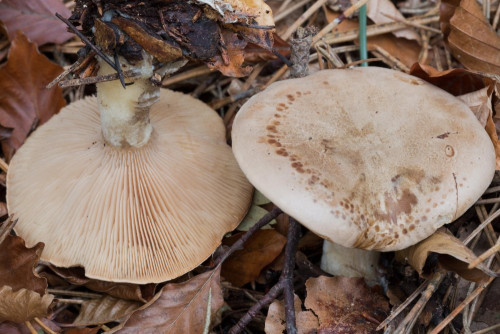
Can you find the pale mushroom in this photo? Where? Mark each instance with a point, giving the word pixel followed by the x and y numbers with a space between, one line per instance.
pixel 367 157
pixel 131 190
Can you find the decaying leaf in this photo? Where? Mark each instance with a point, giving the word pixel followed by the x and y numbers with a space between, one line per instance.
pixel 103 310
pixel 480 104
pixel 453 255
pixel 128 291
pixel 306 321
pixel 245 265
pixel 22 305
pixel 345 304
pixel 24 100
pixel 253 216
pixel 36 20
pixel 384 11
pixel 215 32
pixel 333 305
pixel 471 38
pixel 17 264
pixel 177 307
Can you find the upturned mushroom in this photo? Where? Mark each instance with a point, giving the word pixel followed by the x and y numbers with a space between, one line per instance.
pixel 367 158
pixel 137 185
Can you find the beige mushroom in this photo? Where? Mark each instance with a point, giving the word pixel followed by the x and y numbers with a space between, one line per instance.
pixel 367 158
pixel 131 190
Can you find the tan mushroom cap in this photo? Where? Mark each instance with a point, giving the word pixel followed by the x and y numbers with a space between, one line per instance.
pixel 128 215
pixel 368 157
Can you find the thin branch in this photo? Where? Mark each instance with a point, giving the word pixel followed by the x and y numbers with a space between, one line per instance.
pixel 86 41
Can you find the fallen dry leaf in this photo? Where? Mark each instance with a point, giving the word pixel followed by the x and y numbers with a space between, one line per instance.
pixel 24 100
pixel 345 304
pixel 231 59
pixel 36 20
pixel 104 310
pixel 22 305
pixel 480 104
pixel 17 264
pixel 9 327
pixel 275 323
pixel 177 307
pixel 129 291
pixel 245 265
pixel 472 40
pixel 453 255
pixel 457 81
pixel 384 11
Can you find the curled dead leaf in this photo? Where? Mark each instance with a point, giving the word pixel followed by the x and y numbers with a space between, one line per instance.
pixel 104 310
pixel 177 307
pixel 36 20
pixel 245 265
pixel 22 305
pixel 471 38
pixel 452 255
pixel 24 100
pixel 17 264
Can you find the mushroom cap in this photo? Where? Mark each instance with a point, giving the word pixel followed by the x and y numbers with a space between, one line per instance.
pixel 137 215
pixel 368 157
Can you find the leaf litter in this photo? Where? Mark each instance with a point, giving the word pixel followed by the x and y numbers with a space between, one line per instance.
pixel 184 303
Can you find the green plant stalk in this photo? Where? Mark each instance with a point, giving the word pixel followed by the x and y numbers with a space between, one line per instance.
pixel 363 52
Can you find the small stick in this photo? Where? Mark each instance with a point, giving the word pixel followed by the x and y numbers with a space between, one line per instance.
pixel 357 62
pixel 401 307
pixel 412 24
pixel 311 10
pixel 287 274
pixel 44 326
pixel 392 59
pixel 6 227
pixel 496 18
pixel 3 165
pixel 488 329
pixel 97 79
pixel 286 279
pixel 119 70
pixel 485 255
pixel 481 227
pixel 282 14
pixel 348 12
pixel 229 99
pixel 461 306
pixel 193 73
pixel 488 201
pixel 241 241
pixel 86 41
pixel 64 74
pixel 407 323
pixel 69 301
pixel 74 293
pixel 30 327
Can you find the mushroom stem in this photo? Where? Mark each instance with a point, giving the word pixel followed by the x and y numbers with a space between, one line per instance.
pixel 125 112
pixel 350 262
